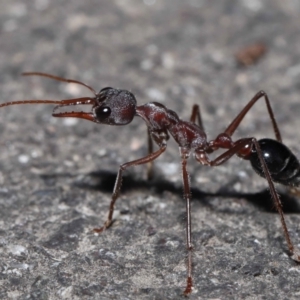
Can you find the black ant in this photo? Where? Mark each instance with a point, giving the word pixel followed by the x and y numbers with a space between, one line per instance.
pixel 270 158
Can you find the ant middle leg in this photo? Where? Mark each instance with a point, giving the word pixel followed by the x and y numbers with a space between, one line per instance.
pixel 118 183
pixel 187 197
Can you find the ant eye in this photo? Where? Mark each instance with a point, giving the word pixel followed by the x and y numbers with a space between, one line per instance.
pixel 102 113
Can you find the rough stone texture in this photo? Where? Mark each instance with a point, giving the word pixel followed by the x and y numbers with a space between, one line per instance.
pixel 56 175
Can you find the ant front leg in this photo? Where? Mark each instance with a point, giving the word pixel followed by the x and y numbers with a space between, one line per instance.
pixel 150 157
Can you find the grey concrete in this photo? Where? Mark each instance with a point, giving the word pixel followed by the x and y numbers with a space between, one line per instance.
pixel 56 175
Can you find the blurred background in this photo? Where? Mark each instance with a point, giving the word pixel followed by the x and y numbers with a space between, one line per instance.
pixel 56 174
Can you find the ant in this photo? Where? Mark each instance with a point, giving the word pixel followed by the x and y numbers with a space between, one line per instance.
pixel 270 158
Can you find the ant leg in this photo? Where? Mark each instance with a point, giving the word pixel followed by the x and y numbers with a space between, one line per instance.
pixel 294 251
pixel 118 183
pixel 150 163
pixel 239 145
pixel 235 149
pixel 236 122
pixel 196 116
pixel 187 197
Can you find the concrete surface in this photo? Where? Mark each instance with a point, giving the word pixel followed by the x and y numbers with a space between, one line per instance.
pixel 56 176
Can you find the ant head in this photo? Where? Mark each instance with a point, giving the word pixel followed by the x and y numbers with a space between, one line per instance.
pixel 114 106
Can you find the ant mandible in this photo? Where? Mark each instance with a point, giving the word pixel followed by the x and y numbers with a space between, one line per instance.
pixel 270 158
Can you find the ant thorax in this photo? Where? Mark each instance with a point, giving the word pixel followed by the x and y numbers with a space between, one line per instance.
pixel 161 119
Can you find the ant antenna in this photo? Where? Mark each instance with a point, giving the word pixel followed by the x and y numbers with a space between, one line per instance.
pixel 59 79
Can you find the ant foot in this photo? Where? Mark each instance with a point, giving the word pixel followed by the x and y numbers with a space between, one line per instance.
pixel 103 228
pixel 189 286
pixel 296 255
pixel 99 230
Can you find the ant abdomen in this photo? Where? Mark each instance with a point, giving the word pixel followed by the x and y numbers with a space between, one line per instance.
pixel 282 164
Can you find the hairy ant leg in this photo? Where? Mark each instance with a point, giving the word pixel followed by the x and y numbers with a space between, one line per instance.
pixel 118 183
pixel 195 119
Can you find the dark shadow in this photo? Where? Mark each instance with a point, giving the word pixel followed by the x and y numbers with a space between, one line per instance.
pixel 104 181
